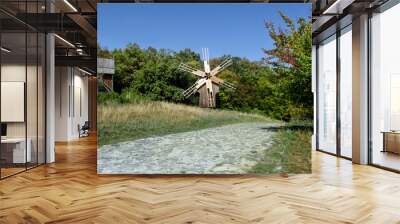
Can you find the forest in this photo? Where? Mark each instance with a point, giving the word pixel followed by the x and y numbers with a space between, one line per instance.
pixel 277 86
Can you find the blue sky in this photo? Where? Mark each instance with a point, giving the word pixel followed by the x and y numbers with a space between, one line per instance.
pixel 235 29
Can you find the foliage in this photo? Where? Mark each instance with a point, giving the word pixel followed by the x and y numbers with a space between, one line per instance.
pixel 143 118
pixel 291 62
pixel 127 96
pixel 103 52
pixel 153 72
pixel 279 86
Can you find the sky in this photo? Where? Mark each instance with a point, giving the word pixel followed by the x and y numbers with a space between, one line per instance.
pixel 226 29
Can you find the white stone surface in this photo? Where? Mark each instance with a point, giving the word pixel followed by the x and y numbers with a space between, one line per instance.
pixel 230 149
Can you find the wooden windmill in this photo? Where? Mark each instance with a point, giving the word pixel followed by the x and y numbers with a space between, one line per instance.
pixel 208 83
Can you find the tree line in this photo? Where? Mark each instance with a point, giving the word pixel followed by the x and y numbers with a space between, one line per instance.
pixel 278 86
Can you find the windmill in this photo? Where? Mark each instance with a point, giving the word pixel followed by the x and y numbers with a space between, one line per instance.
pixel 207 84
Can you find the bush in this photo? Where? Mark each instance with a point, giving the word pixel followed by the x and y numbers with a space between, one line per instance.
pixel 107 97
pixel 127 96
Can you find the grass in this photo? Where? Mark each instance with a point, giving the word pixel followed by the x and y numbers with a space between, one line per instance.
pixel 290 151
pixel 140 119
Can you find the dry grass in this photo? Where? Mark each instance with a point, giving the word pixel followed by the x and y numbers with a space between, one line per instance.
pixel 122 122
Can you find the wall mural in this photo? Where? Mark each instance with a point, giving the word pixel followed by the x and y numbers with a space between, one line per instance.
pixel 212 93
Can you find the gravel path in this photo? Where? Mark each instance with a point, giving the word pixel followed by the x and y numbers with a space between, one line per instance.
pixel 229 149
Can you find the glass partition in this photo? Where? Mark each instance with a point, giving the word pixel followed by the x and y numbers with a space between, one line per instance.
pixel 22 78
pixel 385 89
pixel 13 94
pixel 327 95
pixel 346 92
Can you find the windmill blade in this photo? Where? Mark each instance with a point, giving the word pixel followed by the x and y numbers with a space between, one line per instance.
pixel 221 67
pixel 193 88
pixel 189 91
pixel 187 68
pixel 229 85
pixel 222 82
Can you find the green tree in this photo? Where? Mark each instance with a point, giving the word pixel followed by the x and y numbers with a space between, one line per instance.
pixel 103 52
pixel 128 61
pixel 279 86
pixel 290 60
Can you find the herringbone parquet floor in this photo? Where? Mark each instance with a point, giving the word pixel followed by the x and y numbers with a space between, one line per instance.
pixel 70 191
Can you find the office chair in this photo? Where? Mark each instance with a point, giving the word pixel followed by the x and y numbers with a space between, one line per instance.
pixel 84 130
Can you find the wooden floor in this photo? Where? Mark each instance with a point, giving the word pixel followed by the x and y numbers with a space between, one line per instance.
pixel 5 172
pixel 70 191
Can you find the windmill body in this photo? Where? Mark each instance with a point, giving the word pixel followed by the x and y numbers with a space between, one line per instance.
pixel 207 84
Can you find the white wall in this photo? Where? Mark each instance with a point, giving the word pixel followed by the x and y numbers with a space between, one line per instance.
pixel 62 82
pixel 33 126
pixel 71 87
pixel 14 72
pixel 13 101
pixel 80 84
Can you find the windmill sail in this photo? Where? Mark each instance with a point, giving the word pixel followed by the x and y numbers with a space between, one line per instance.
pixel 222 82
pixel 187 68
pixel 193 88
pixel 207 81
pixel 221 67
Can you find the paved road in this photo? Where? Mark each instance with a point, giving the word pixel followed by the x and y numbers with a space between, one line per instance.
pixel 223 150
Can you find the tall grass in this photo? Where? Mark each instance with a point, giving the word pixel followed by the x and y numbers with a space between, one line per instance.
pixel 290 151
pixel 119 122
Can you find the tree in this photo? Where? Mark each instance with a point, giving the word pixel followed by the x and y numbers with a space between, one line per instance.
pixel 279 87
pixel 290 60
pixel 103 52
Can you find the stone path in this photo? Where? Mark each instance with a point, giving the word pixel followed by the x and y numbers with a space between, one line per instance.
pixel 229 149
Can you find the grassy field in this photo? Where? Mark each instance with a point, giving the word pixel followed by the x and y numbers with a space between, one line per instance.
pixel 141 119
pixel 290 151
